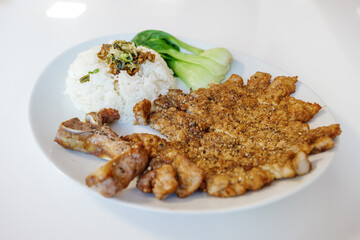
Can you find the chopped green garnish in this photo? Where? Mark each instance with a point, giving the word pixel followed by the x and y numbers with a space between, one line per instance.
pixel 95 71
pixel 123 55
pixel 86 78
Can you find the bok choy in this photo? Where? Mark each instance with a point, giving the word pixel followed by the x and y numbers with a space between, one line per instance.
pixel 196 69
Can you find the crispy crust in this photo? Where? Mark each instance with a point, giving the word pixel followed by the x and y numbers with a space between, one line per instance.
pixel 242 136
pixel 225 140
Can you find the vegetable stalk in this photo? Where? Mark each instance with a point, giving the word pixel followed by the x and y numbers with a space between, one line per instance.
pixel 197 69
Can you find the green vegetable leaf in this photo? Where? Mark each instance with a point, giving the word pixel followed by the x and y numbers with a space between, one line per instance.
pixel 189 74
pixel 220 55
pixel 197 69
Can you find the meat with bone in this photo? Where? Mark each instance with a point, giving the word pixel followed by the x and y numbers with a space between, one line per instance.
pixel 168 172
pixel 226 139
pixel 90 138
pixel 126 160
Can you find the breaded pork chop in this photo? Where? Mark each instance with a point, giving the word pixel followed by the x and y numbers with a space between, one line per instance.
pixel 242 136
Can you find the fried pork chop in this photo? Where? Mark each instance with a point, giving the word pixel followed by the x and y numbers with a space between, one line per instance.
pixel 93 136
pixel 169 171
pixel 242 136
pixel 163 169
pixel 126 160
pixel 225 140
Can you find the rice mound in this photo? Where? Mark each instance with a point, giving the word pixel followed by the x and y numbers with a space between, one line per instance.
pixel 122 91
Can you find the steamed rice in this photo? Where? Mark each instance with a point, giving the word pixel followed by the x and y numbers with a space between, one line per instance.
pixel 122 91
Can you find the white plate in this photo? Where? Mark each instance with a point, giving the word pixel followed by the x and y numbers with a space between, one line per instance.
pixel 50 106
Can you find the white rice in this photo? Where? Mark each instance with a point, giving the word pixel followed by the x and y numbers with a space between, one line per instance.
pixel 122 91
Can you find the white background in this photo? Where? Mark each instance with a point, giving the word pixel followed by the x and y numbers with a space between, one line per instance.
pixel 317 40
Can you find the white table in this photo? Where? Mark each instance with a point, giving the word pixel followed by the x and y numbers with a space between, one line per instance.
pixel 316 40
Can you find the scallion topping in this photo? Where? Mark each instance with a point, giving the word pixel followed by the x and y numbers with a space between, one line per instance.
pixel 86 78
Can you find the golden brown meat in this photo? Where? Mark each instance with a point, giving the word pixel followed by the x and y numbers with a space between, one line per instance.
pixel 169 171
pixel 161 181
pixel 142 111
pixel 242 136
pixel 190 176
pixel 117 173
pixel 126 160
pixel 102 117
pixel 90 138
pixel 226 139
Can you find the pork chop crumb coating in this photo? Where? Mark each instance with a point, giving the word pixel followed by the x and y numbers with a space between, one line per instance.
pixel 169 170
pixel 242 136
